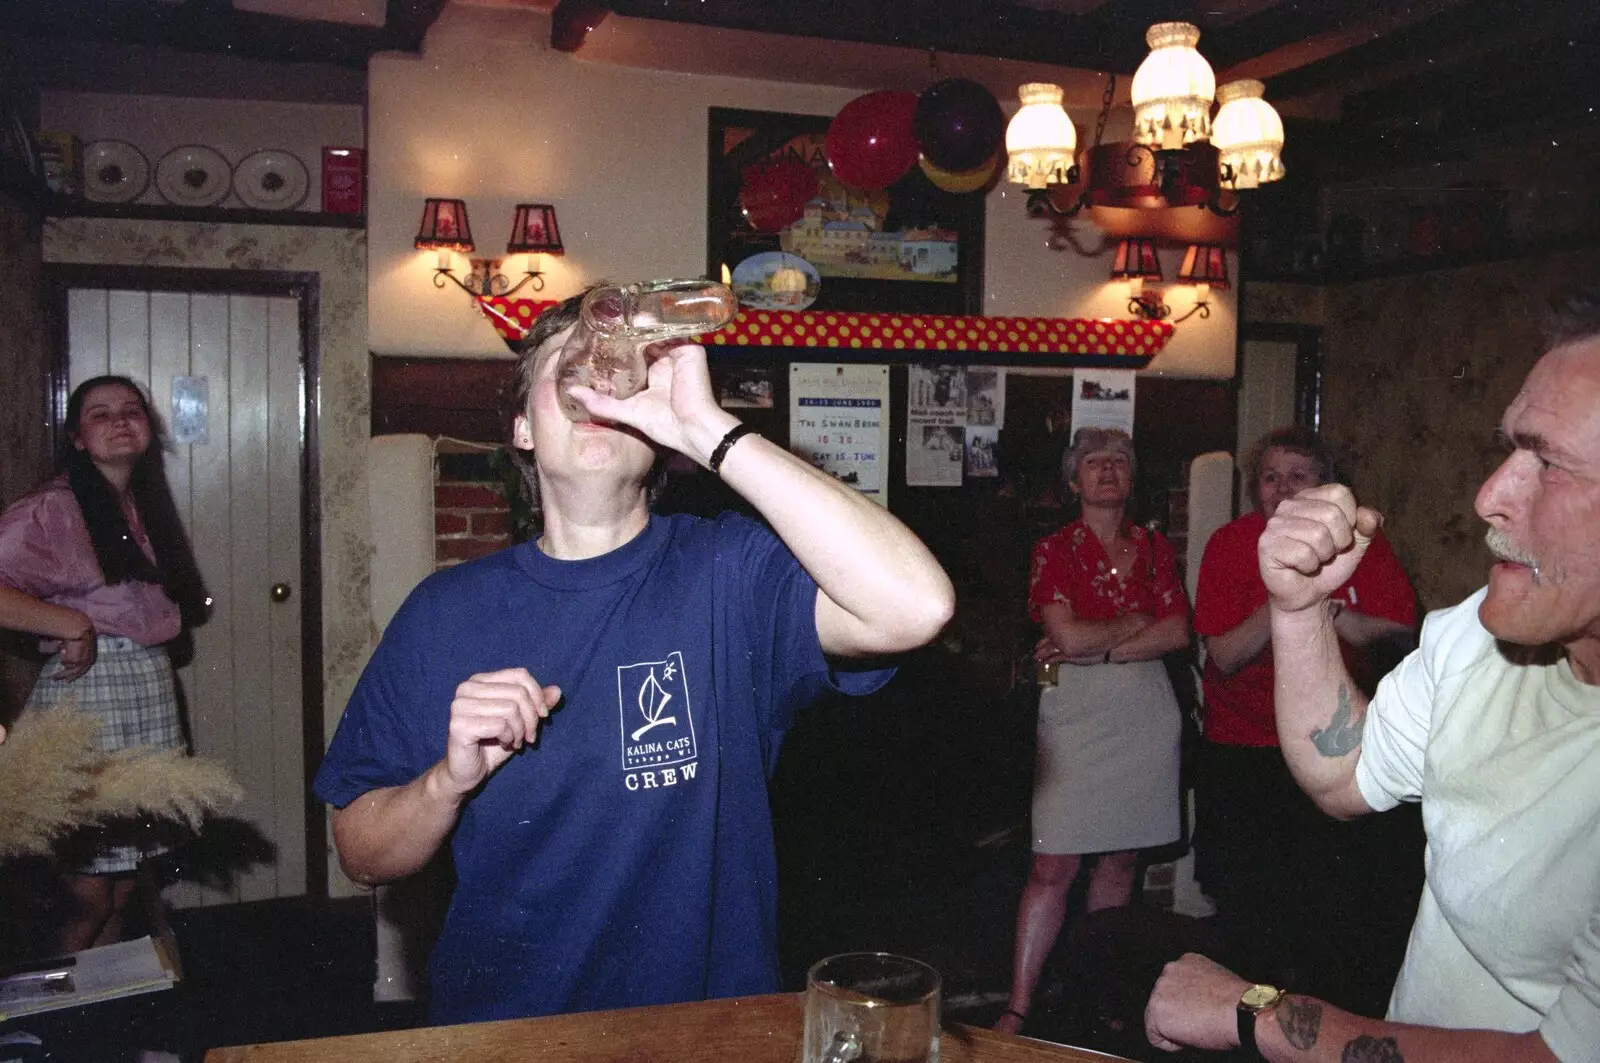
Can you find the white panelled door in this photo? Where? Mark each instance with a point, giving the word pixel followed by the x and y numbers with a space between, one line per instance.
pixel 1266 396
pixel 238 489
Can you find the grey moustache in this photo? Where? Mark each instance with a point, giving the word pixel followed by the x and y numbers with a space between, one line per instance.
pixel 1501 546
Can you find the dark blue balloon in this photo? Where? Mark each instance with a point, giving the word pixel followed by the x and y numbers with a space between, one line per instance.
pixel 959 124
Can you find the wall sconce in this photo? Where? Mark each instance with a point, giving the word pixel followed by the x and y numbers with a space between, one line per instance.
pixel 534 232
pixel 445 228
pixel 1206 267
pixel 1136 262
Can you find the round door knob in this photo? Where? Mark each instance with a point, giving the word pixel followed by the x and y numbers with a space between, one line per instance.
pixel 281 592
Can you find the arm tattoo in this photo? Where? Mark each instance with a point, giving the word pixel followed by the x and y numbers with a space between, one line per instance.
pixel 1300 1019
pixel 1368 1049
pixel 1343 733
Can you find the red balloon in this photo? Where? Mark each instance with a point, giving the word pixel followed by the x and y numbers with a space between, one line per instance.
pixel 773 195
pixel 870 142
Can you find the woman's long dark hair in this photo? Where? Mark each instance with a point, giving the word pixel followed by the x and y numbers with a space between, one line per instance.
pixel 115 548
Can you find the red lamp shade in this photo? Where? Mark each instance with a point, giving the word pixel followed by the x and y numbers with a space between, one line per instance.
pixel 1205 264
pixel 534 231
pixel 444 227
pixel 1136 260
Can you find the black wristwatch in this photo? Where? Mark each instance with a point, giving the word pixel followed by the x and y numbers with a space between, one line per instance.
pixel 1252 1002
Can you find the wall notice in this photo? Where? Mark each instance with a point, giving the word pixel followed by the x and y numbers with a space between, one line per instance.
pixel 1103 398
pixel 838 421
pixel 936 424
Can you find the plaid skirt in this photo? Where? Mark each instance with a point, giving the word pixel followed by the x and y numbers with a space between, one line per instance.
pixel 131 688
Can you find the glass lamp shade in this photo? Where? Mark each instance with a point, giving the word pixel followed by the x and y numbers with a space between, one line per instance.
pixel 1205 265
pixel 1172 89
pixel 1249 134
pixel 534 231
pixel 1136 261
pixel 444 227
pixel 1040 139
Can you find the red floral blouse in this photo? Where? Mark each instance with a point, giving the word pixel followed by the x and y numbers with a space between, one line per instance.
pixel 1072 566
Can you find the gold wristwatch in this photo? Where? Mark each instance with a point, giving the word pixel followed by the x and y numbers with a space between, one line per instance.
pixel 1254 1001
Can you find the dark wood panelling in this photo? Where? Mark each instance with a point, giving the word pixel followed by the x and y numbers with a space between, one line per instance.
pixel 457 397
pixel 75 208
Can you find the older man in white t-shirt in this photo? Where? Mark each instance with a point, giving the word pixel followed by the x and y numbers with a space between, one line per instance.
pixel 1493 724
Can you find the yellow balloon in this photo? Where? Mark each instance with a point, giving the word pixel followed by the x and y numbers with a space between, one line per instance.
pixel 964 181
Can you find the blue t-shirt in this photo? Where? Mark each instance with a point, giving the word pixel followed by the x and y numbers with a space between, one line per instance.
pixel 626 858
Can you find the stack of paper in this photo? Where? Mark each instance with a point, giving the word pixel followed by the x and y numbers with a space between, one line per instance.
pixel 104 973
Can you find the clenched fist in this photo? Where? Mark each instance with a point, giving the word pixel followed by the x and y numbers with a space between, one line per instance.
pixel 1312 545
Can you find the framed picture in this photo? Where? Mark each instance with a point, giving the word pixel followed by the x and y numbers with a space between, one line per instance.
pixel 910 248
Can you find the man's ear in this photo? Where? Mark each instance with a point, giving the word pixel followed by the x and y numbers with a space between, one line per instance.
pixel 521 432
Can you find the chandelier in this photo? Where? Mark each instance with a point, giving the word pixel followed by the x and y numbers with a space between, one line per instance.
pixel 1181 155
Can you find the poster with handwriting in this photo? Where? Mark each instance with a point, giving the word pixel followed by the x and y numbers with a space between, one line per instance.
pixel 839 420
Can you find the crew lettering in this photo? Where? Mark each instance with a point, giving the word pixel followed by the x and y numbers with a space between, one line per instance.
pixel 654 780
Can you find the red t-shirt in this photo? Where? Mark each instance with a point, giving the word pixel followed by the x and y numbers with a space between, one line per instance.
pixel 1239 706
pixel 1072 566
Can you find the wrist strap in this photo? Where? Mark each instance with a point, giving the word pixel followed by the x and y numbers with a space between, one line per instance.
pixel 736 433
pixel 1247 1034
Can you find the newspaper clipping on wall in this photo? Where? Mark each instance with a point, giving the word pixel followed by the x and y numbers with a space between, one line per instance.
pixel 936 425
pixel 986 415
pixel 1103 398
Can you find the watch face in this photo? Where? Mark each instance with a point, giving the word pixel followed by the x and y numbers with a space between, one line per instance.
pixel 1259 996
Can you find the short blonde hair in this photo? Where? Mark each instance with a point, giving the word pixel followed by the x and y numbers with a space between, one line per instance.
pixel 1086 441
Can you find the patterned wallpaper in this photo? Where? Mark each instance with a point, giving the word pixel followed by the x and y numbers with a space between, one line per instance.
pixel 340 257
pixel 1285 304
pixel 1418 370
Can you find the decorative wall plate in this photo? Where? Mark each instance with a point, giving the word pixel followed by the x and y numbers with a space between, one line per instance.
pixel 776 280
pixel 114 171
pixel 270 180
pixel 193 176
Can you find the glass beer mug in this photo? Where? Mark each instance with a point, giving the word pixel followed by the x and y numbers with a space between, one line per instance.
pixel 871 1007
pixel 617 324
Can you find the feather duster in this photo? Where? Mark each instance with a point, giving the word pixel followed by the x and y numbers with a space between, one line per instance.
pixel 53 781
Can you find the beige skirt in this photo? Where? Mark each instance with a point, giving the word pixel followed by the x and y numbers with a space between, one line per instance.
pixel 1105 778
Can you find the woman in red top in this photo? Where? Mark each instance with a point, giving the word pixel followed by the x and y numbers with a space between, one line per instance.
pixel 1106 775
pixel 95 561
pixel 1263 852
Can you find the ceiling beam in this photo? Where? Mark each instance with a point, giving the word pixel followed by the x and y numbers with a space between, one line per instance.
pixel 407 21
pixel 1003 28
pixel 571 22
pixel 1461 34
pixel 214 26
pixel 1282 25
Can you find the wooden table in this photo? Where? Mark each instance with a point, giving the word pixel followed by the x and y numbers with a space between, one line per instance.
pixel 762 1029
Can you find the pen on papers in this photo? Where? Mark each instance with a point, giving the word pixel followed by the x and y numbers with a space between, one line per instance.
pixel 35 983
pixel 52 963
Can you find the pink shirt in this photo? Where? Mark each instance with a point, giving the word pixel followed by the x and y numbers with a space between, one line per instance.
pixel 45 552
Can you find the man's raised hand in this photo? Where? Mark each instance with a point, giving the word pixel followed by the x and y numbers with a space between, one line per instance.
pixel 1312 545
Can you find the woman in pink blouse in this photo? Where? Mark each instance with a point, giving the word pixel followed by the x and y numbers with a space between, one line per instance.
pixel 95 561
pixel 1106 775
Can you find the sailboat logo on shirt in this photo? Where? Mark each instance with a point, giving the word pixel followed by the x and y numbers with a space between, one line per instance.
pixel 657 726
